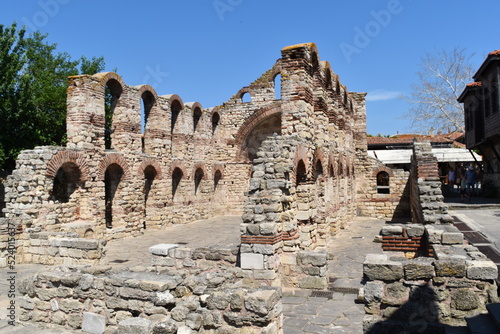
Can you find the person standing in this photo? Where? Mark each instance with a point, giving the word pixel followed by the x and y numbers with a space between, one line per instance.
pixel 470 179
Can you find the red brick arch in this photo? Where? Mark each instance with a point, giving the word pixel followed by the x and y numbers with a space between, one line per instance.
pixel 300 154
pixel 382 169
pixel 218 167
pixel 178 164
pixel 251 122
pixel 318 155
pixel 62 157
pixel 109 159
pixel 141 89
pixel 200 165
pixel 174 97
pixel 103 78
pixel 243 91
pixel 150 162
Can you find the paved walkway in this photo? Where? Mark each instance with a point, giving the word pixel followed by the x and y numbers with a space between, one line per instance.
pixel 333 311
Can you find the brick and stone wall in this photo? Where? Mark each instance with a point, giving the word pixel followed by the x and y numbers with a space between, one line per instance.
pixel 113 179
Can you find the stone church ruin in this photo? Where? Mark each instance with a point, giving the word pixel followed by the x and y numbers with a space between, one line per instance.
pixel 292 161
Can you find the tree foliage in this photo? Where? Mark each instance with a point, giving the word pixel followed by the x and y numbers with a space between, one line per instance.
pixel 33 91
pixel 433 99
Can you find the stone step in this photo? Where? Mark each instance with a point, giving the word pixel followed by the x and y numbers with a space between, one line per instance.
pixel 482 324
pixel 494 311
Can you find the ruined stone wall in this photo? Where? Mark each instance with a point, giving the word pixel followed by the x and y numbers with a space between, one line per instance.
pixel 426 199
pixel 168 302
pixel 114 178
pixel 393 204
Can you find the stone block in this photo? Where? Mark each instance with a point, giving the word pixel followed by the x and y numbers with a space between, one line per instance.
pixel 419 268
pixel 452 238
pixel 93 323
pixel 252 261
pixel 317 259
pixel 450 268
pixel 303 215
pixel 313 282
pixel 162 249
pixel 481 270
pixel 415 230
pixel 379 267
pixel 434 234
pixel 373 291
pixel 262 301
pixel 134 326
pixel 392 230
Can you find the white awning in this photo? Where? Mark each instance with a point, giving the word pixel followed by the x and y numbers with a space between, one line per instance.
pixel 389 157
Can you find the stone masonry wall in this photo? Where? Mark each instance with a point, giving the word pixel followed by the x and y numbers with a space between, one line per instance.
pixel 98 300
pixel 371 202
pixel 427 204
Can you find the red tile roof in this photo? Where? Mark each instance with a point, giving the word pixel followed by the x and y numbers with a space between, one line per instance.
pixel 475 84
pixel 408 139
pixel 494 53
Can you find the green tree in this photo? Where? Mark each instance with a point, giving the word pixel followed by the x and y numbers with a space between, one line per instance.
pixel 33 91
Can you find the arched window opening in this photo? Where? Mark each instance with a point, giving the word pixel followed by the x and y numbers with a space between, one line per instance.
pixel 341 169
pixel 175 110
pixel 315 62
pixel 383 183
pixel 147 102
pixel 177 176
pixel 196 118
pixel 65 182
pixel 300 173
pixel 198 176
pixel 215 122
pixel 112 178
pixel 112 94
pixel 217 178
pixel 246 97
pixel 318 173
pixel 277 87
pixel 331 171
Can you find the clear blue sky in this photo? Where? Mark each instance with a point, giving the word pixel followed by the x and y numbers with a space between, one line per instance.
pixel 206 50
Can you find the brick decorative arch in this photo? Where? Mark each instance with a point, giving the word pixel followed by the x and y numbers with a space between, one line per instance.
pixel 200 165
pixel 174 97
pixel 178 164
pixel 333 164
pixel 218 167
pixel 300 154
pixel 150 162
pixel 109 159
pixel 318 155
pixel 103 78
pixel 146 88
pixel 243 91
pixel 62 157
pixel 254 120
pixel 382 169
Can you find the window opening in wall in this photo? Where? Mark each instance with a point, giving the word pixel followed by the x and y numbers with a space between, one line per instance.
pixel 149 177
pixel 331 171
pixel 65 182
pixel 277 87
pixel 196 118
pixel 175 110
pixel 217 178
pixel 318 170
pixel 198 176
pixel 215 122
pixel 383 183
pixel 112 179
pixel 112 94
pixel 176 180
pixel 147 102
pixel 246 97
pixel 301 174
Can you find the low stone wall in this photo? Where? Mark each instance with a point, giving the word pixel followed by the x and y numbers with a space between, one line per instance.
pixel 406 294
pixel 62 248
pixel 173 256
pixel 306 270
pixel 172 301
